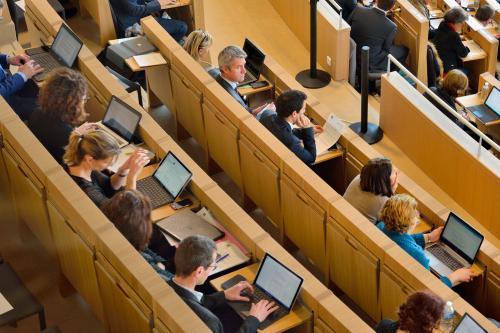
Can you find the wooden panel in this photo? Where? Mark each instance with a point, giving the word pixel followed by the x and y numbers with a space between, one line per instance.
pixel 352 168
pixel 160 327
pixel 160 84
pixel 4 177
pixel 394 292
pixel 492 295
pixel 321 327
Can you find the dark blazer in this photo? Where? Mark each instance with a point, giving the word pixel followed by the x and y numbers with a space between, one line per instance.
pixel 232 92
pixel 128 12
pixel 53 133
pixel 9 84
pixel 370 27
pixel 449 46
pixel 347 7
pixel 291 138
pixel 209 302
pixel 387 326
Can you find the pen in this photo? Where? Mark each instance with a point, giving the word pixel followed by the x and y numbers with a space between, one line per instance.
pixel 222 258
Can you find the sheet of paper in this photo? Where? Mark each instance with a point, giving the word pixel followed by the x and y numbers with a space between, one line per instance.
pixel 435 22
pixel 231 256
pixel 332 130
pixel 4 305
pixel 21 4
pixel 150 59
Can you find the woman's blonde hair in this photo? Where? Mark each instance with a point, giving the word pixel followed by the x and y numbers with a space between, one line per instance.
pixel 399 212
pixel 98 144
pixel 455 83
pixel 197 40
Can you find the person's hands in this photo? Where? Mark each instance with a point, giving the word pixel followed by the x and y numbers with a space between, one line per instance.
pixel 262 309
pixel 18 60
pixel 30 69
pixel 137 161
pixel 233 293
pixel 86 127
pixel 266 106
pixel 318 129
pixel 435 234
pixel 303 121
pixel 461 275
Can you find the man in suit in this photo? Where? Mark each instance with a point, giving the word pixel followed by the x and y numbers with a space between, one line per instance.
pixel 128 12
pixel 370 27
pixel 194 261
pixel 18 90
pixel 290 108
pixel 232 71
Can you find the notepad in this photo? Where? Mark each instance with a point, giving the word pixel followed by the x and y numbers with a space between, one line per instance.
pixel 150 59
pixel 5 306
pixel 332 130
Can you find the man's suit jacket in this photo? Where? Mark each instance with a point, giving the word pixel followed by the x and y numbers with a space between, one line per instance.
pixel 291 138
pixel 370 27
pixel 449 46
pixel 232 92
pixel 9 84
pixel 128 12
pixel 209 302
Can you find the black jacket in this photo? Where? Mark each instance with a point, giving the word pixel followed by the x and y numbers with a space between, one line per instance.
pixel 387 326
pixel 347 7
pixel 209 302
pixel 449 46
pixel 232 91
pixel 448 100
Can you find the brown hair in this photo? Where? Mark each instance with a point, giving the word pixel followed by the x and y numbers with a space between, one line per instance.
pixel 455 83
pixel 421 312
pixel 62 94
pixel 484 13
pixel 376 176
pixel 98 144
pixel 193 252
pixel 130 212
pixel 399 212
pixel 197 40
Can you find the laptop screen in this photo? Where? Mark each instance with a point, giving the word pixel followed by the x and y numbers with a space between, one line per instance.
pixel 121 118
pixel 461 237
pixel 278 281
pixel 172 174
pixel 493 100
pixel 255 58
pixel 66 46
pixel 468 325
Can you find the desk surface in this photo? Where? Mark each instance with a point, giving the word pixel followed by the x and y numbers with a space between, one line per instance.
pixel 329 155
pixel 178 3
pixel 476 52
pixel 247 90
pixel 299 315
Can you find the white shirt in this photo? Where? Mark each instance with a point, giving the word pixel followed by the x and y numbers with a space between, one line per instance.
pixel 231 83
pixel 196 294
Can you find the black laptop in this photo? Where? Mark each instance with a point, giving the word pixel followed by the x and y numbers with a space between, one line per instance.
pixel 62 53
pixel 254 61
pixel 490 110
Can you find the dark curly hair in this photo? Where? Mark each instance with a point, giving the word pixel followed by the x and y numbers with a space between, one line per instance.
pixel 62 94
pixel 421 312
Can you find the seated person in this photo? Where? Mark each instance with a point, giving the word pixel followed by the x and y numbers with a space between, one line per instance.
pixel 197 44
pixel 232 71
pixel 398 218
pixel 61 104
pixel 130 212
pixel 194 260
pixel 420 313
pixel 371 27
pixel 18 90
pixel 88 154
pixel 447 39
pixel 347 7
pixel 129 12
pixel 290 108
pixel 484 15
pixel 369 190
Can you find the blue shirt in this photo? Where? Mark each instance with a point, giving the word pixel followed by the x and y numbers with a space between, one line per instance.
pixel 153 259
pixel 413 245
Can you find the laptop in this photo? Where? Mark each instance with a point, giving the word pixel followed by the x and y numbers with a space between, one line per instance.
pixel 468 325
pixel 254 61
pixel 457 248
pixel 167 182
pixel 274 282
pixel 62 53
pixel 490 110
pixel 120 121
pixel 139 45
pixel 187 223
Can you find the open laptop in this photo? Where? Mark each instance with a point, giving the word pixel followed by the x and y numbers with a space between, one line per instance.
pixel 120 121
pixel 274 282
pixel 62 53
pixel 187 223
pixel 468 325
pixel 457 247
pixel 490 110
pixel 167 182
pixel 254 61
pixel 139 45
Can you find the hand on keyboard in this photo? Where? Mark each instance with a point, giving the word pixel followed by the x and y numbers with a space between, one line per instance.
pixel 30 69
pixel 241 291
pixel 262 309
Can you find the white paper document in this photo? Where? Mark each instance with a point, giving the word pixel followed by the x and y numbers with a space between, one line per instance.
pixel 4 305
pixel 150 59
pixel 332 130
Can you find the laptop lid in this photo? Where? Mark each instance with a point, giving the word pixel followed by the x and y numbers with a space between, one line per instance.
pixel 139 45
pixel 461 237
pixel 172 175
pixel 255 58
pixel 493 101
pixel 187 223
pixel 66 46
pixel 121 118
pixel 278 281
pixel 468 325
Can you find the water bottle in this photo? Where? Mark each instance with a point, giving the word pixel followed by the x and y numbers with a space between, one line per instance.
pixel 447 320
pixel 484 90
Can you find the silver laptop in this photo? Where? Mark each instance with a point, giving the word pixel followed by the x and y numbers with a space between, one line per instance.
pixel 254 61
pixel 187 223
pixel 468 325
pixel 490 110
pixel 120 121
pixel 273 282
pixel 139 45
pixel 62 53
pixel 457 248
pixel 167 182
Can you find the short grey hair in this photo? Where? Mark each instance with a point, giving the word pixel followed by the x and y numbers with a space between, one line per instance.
pixel 193 252
pixel 228 54
pixel 456 15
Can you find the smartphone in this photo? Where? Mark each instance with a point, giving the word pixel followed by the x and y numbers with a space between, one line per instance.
pixel 259 84
pixel 181 204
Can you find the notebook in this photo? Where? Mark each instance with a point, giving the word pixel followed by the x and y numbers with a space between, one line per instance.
pixel 468 325
pixel 254 61
pixel 185 223
pixel 490 110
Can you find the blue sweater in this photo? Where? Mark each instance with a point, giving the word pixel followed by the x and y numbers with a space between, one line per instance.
pixel 413 245
pixel 9 84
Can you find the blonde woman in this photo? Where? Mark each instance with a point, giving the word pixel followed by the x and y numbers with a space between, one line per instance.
pixel 88 154
pixel 197 44
pixel 399 216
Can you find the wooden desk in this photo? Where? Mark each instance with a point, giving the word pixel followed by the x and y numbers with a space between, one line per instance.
pixel 178 3
pixel 329 155
pixel 247 90
pixel 299 315
pixel 471 100
pixel 476 52
pixel 131 62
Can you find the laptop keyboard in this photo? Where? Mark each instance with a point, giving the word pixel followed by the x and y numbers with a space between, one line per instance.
pixel 155 192
pixel 47 62
pixel 444 257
